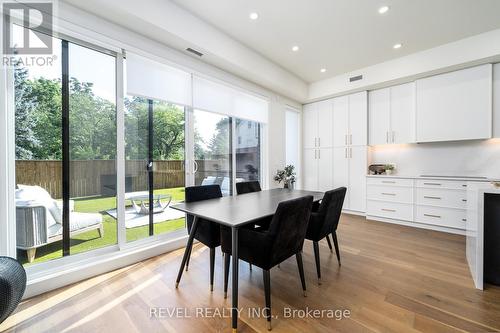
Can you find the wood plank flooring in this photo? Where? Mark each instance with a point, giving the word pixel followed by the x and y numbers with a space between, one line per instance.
pixel 392 279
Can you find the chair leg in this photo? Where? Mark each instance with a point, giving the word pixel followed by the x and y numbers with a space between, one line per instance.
pixel 316 257
pixel 212 267
pixel 298 256
pixel 267 292
pixel 227 263
pixel 250 265
pixel 189 245
pixel 336 244
pixel 188 258
pixel 329 243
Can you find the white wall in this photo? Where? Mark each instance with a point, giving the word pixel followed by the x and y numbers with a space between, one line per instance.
pixel 465 158
pixel 466 52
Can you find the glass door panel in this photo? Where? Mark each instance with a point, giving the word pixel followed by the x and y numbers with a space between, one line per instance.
pixel 168 166
pixel 247 150
pixel 212 150
pixel 92 149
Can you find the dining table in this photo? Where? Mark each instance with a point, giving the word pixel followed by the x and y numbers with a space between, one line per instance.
pixel 236 212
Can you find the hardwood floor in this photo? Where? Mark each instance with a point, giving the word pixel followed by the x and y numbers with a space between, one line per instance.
pixel 393 279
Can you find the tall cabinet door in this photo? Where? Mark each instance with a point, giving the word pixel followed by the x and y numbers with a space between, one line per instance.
pixel 340 121
pixel 310 170
pixel 358 119
pixel 403 113
pixel 357 179
pixel 379 114
pixel 310 125
pixel 325 169
pixel 341 170
pixel 325 123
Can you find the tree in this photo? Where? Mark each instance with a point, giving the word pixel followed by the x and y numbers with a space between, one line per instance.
pixel 26 140
pixel 219 144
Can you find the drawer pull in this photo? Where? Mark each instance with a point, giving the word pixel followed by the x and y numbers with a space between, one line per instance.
pixel 465 220
pixel 393 194
pixel 464 200
pixel 388 182
pixel 388 210
pixel 464 185
pixel 433 184
pixel 430 215
pixel 427 197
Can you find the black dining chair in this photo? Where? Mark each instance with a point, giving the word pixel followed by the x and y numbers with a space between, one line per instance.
pixel 324 221
pixel 268 248
pixel 248 187
pixel 207 232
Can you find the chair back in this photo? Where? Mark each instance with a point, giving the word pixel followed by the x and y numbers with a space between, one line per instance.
pixel 331 208
pixel 248 187
pixel 204 192
pixel 289 226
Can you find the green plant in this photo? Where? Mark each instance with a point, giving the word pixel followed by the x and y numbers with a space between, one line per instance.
pixel 287 175
pixel 389 167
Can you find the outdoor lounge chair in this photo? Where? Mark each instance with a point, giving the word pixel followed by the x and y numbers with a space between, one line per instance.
pixel 39 219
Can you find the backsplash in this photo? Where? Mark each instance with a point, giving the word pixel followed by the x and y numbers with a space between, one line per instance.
pixel 465 158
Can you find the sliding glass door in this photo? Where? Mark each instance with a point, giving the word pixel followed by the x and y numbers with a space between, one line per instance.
pixel 154 167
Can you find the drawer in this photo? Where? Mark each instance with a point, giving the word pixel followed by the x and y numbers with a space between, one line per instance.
pixel 390 193
pixel 392 210
pixel 444 217
pixel 441 197
pixel 438 183
pixel 389 181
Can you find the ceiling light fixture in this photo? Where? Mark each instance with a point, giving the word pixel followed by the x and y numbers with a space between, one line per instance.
pixel 295 48
pixel 383 9
pixel 322 70
pixel 253 16
pixel 397 46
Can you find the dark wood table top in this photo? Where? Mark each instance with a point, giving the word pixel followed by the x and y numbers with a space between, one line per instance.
pixel 238 210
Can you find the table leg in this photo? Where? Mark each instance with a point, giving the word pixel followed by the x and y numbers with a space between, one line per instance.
pixel 188 249
pixel 234 291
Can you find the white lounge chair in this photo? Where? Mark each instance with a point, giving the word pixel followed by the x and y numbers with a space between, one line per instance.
pixel 39 219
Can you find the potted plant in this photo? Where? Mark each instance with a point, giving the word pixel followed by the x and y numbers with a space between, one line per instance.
pixel 287 176
pixel 389 169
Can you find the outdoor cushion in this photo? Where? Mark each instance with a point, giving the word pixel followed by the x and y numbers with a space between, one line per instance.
pixel 38 196
pixel 77 221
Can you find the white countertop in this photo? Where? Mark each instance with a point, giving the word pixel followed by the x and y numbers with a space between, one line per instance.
pixel 472 179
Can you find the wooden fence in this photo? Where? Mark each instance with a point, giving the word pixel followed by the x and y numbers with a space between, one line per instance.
pixel 97 177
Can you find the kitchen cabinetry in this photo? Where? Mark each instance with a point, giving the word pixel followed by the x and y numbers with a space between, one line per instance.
pixel 455 106
pixel 392 115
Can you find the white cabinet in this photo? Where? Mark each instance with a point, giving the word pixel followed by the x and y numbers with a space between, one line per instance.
pixel 310 170
pixel 325 169
pixel 310 125
pixel 350 120
pixel 325 124
pixel 455 106
pixel 349 171
pixel 392 115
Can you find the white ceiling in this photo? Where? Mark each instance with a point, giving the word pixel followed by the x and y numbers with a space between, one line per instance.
pixel 344 35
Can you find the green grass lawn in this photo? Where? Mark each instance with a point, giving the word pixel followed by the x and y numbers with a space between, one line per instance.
pixel 91 240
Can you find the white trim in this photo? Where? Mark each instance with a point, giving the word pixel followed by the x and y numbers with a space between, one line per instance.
pixel 416 225
pixel 120 152
pixel 233 153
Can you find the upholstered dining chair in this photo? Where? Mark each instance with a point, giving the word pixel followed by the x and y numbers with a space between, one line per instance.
pixel 248 187
pixel 12 286
pixel 268 248
pixel 207 232
pixel 324 221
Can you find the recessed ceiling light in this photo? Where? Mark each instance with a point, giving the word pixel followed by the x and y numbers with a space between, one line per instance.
pixel 322 70
pixel 383 9
pixel 253 16
pixel 397 46
pixel 295 48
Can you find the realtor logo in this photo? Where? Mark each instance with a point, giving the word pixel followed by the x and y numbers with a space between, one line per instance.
pixel 21 28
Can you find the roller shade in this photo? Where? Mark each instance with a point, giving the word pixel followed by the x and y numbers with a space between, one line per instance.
pixel 151 79
pixel 216 97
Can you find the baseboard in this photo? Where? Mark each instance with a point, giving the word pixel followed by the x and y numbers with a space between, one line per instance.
pixel 416 225
pixel 353 212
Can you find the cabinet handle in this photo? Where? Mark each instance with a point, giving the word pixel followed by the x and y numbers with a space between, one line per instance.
pixel 388 182
pixel 464 200
pixel 464 185
pixel 428 197
pixel 465 220
pixel 430 215
pixel 350 139
pixel 433 184
pixel 319 154
pixel 345 152
pixel 392 136
pixel 393 194
pixel 350 151
pixel 388 210
pixel 386 136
